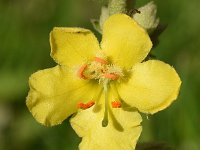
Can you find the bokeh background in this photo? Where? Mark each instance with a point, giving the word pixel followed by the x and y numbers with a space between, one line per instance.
pixel 24 49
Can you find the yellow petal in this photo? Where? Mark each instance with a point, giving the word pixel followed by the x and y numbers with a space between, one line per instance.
pixel 71 46
pixel 120 134
pixel 153 86
pixel 124 41
pixel 54 94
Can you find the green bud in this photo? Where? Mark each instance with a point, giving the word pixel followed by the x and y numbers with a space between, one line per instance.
pixel 114 7
pixel 117 6
pixel 104 16
pixel 98 24
pixel 147 17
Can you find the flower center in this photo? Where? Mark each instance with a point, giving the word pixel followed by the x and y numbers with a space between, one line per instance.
pixel 99 69
pixel 104 72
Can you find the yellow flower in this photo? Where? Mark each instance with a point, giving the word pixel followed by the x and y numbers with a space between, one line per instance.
pixel 106 84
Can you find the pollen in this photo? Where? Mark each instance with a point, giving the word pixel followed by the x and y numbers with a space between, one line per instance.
pixel 90 104
pixel 116 104
pixel 86 105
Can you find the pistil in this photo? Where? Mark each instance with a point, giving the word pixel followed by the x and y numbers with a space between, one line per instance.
pixel 105 119
pixel 99 69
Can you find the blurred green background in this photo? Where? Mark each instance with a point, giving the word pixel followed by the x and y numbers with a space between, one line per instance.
pixel 24 49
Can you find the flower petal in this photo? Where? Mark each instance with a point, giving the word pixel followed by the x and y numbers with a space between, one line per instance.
pixel 54 94
pixel 153 86
pixel 71 46
pixel 124 41
pixel 120 134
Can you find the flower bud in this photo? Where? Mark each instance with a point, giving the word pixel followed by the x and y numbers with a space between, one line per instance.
pixel 104 16
pixel 98 24
pixel 147 17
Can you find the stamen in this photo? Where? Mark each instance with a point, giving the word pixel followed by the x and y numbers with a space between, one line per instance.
pixel 85 106
pixel 90 104
pixel 97 97
pixel 81 71
pixel 116 104
pixel 100 60
pixel 115 92
pixel 111 76
pixel 105 119
pixel 81 105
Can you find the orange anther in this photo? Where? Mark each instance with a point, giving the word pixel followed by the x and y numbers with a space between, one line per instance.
pixel 116 104
pixel 85 106
pixel 81 105
pixel 111 76
pixel 90 104
pixel 100 60
pixel 81 71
